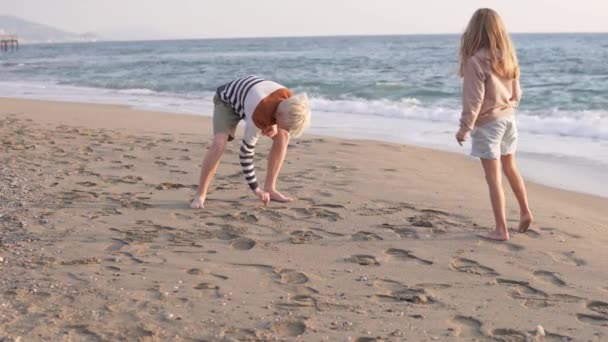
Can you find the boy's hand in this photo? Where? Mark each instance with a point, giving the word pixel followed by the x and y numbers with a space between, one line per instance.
pixel 270 131
pixel 461 135
pixel 263 196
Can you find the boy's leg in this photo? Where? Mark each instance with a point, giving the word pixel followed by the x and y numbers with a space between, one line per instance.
pixel 509 167
pixel 275 161
pixel 491 168
pixel 210 164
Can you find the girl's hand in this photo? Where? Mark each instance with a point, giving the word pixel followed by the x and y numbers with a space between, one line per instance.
pixel 270 131
pixel 461 135
pixel 263 196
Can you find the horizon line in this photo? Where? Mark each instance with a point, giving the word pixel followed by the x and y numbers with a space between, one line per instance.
pixel 104 40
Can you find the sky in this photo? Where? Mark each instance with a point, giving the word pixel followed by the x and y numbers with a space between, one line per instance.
pixel 263 18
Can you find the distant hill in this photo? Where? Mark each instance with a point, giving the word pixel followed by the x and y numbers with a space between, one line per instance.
pixel 30 32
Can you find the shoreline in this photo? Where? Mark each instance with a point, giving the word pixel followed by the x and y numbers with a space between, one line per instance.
pixel 533 166
pixel 97 240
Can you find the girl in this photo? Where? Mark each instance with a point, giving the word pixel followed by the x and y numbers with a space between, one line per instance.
pixel 491 91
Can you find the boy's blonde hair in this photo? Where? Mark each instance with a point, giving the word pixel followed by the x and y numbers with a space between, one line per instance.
pixel 297 114
pixel 486 30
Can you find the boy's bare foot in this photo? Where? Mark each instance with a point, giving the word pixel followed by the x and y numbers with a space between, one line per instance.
pixel 197 203
pixel 279 197
pixel 524 222
pixel 496 235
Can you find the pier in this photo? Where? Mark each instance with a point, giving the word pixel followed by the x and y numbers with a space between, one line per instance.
pixel 9 43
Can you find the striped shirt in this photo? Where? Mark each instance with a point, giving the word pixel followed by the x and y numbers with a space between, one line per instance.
pixel 255 100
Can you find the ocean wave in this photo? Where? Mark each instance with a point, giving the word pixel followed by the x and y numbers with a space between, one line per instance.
pixel 582 124
pixel 138 91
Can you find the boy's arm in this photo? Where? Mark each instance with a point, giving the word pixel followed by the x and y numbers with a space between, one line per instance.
pixel 246 154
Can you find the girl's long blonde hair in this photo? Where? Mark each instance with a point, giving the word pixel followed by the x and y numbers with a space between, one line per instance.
pixel 486 30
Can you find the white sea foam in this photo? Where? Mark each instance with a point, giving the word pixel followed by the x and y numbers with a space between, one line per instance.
pixel 582 124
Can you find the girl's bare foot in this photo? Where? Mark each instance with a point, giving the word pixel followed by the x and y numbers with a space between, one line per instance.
pixel 198 203
pixel 496 235
pixel 524 222
pixel 279 197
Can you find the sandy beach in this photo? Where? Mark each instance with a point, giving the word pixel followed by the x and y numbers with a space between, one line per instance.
pixel 97 242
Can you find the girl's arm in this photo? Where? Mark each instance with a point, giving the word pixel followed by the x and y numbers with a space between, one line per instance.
pixel 516 92
pixel 473 91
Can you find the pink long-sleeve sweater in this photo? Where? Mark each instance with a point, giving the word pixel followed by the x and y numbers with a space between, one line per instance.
pixel 486 96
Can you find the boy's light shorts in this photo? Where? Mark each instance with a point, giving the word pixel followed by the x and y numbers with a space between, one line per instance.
pixel 495 139
pixel 225 119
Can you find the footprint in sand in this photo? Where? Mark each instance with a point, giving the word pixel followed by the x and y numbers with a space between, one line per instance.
pixel 568 258
pixel 467 327
pixel 206 286
pixel 434 286
pixel 364 260
pixel 195 271
pixel 289 329
pixel 508 335
pixel 420 221
pixel 558 231
pixel 599 307
pixel 300 300
pixel 566 298
pixel 116 245
pixel 506 246
pixel 406 256
pixel 380 208
pixel 173 186
pixel 531 233
pixel 394 291
pixel 473 267
pixel 82 261
pixel 528 295
pixel 87 184
pixel 319 213
pixel 549 277
pixel 243 244
pixel 327 232
pixel 364 236
pixel 241 216
pixel 403 232
pixel 595 320
pixel 130 179
pixel 303 236
pixel 291 277
pixel 237 334
pixel 329 205
pixel 553 337
pixel 180 216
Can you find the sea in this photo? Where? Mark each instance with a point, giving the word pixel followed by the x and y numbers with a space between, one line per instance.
pixel 401 89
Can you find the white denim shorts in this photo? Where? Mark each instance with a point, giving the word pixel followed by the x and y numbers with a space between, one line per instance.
pixel 495 139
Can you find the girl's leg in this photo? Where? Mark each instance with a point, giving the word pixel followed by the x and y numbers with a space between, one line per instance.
pixel 509 167
pixel 491 168
pixel 210 164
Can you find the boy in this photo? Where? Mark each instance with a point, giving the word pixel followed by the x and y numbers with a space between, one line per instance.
pixel 267 108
